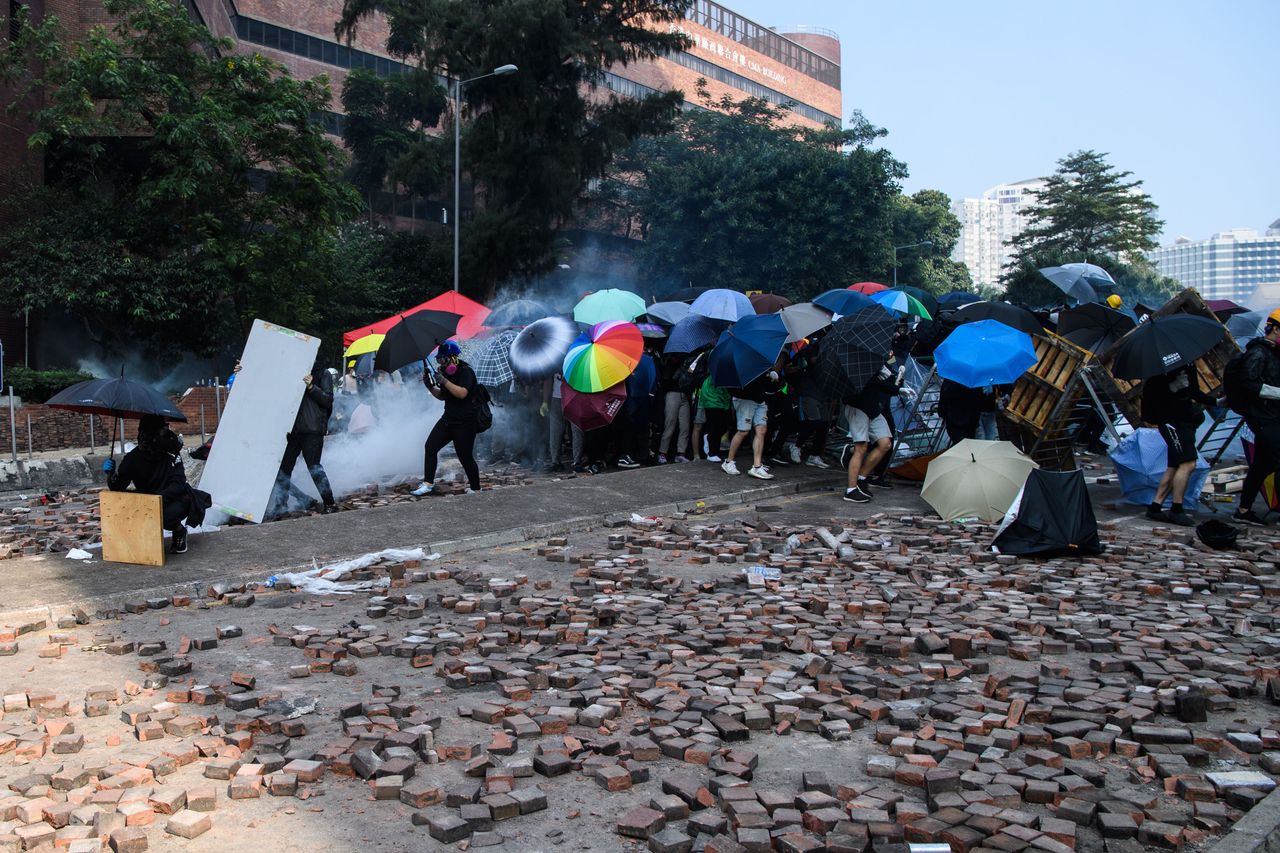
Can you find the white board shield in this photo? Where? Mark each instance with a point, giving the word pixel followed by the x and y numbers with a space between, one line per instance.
pixel 249 444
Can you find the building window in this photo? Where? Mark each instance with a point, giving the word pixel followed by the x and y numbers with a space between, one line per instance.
pixel 15 23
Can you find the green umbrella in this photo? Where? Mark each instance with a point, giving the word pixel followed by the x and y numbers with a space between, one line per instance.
pixel 605 305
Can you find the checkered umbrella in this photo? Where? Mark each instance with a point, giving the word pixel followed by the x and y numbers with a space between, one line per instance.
pixel 492 362
pixel 854 350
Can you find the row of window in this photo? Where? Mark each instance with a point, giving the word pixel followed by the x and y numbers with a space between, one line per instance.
pixel 751 87
pixel 730 24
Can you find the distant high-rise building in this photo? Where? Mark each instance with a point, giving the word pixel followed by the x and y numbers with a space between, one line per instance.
pixel 988 224
pixel 1228 265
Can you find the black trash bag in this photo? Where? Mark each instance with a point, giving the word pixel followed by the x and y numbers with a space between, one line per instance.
pixel 1218 535
pixel 1052 517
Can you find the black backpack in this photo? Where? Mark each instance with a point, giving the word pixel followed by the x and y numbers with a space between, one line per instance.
pixel 692 372
pixel 484 412
pixel 1235 384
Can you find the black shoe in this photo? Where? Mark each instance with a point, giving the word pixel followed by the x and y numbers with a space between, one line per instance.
pixel 856 495
pixel 880 483
pixel 330 509
pixel 1248 517
pixel 1157 514
pixel 1181 519
pixel 778 460
pixel 179 542
pixel 627 462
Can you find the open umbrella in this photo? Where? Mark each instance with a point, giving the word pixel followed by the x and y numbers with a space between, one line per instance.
pixel 492 364
pixel 1011 315
pixel 115 398
pixel 609 304
pixel 768 303
pixel 924 297
pixel 595 410
pixel 957 299
pixel 843 302
pixel 746 350
pixel 867 288
pixel 687 294
pixel 414 337
pixel 692 334
pixel 1141 458
pixel 668 312
pixel 802 320
pixel 651 331
pixel 1224 308
pixel 1245 327
pixel 603 357
pixel 902 303
pixel 1080 281
pixel 539 349
pixel 985 353
pixel 722 304
pixel 854 350
pixel 1164 344
pixel 369 343
pixel 1094 326
pixel 518 312
pixel 976 479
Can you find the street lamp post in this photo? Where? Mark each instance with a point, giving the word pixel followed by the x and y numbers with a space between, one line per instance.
pixel 895 257
pixel 457 155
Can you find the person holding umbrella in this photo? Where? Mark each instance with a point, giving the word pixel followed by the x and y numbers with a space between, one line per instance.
pixel 154 467
pixel 1257 399
pixel 454 382
pixel 1175 404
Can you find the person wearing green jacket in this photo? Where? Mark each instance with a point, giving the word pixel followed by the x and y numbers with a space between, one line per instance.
pixel 713 417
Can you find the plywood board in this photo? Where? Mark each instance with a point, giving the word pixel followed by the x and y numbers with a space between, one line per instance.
pixel 260 409
pixel 132 528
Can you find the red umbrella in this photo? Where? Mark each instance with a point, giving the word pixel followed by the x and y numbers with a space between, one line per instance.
pixel 866 288
pixel 592 411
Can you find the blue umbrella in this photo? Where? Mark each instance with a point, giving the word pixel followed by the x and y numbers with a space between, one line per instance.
pixel 1080 281
pixel 984 353
pixel 668 312
pixel 746 350
pixel 692 334
pixel 518 312
pixel 721 304
pixel 957 299
pixel 842 302
pixel 1141 458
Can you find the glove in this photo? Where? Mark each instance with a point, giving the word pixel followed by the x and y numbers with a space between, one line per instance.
pixel 542 410
pixel 1269 392
pixel 907 393
pixel 108 466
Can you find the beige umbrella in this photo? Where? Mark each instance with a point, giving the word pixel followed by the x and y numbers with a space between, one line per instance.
pixel 976 479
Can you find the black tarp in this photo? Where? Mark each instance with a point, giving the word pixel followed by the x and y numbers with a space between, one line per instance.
pixel 1052 518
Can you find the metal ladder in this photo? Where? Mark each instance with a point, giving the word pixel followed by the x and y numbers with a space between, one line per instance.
pixel 1226 427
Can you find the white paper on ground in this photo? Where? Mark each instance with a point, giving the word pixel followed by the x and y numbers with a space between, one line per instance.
pixel 326 580
pixel 79 554
pixel 249 444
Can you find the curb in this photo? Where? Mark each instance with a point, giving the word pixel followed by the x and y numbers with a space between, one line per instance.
pixel 1256 832
pixel 497 538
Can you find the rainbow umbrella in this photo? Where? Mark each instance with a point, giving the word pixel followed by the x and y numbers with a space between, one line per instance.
pixel 369 343
pixel 867 288
pixel 901 302
pixel 609 304
pixel 603 357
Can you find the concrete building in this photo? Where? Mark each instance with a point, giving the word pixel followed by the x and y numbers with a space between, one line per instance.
pixel 1228 265
pixel 988 224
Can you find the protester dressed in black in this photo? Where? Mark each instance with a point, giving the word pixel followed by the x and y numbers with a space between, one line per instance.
pixel 454 383
pixel 154 467
pixel 1262 369
pixel 307 439
pixel 1175 404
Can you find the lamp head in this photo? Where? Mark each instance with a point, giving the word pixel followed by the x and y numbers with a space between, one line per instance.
pixel 505 69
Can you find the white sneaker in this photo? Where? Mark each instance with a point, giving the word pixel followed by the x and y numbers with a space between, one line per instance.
pixel 713 458
pixel 816 462
pixel 730 467
pixel 795 454
pixel 469 491
pixel 759 472
pixel 425 488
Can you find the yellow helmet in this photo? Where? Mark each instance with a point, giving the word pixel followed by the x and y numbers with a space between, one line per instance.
pixel 1114 301
pixel 1273 319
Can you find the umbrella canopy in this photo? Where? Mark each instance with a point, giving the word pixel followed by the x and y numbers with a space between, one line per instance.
pixel 854 350
pixel 976 479
pixel 668 312
pixel 747 349
pixel 1224 308
pixel 603 357
pixel 722 304
pixel 414 337
pixel 592 411
pixel 651 331
pixel 867 288
pixel 902 303
pixel 768 303
pixel 606 305
pixel 1164 344
pixel 539 349
pixel 985 353
pixel 688 294
pixel 1141 459
pixel 802 320
pixel 492 361
pixel 692 334
pixel 1011 315
pixel 1094 326
pixel 1247 326
pixel 843 302
pixel 369 343
pixel 518 312
pixel 1080 281
pixel 471 313
pixel 115 398
pixel 924 297
pixel 957 299
pixel 1052 516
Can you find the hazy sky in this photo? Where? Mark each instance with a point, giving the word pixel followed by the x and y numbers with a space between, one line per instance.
pixel 977 93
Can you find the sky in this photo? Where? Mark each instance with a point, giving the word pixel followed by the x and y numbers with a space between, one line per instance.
pixel 983 92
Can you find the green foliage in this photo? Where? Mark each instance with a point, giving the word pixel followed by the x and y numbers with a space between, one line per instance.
pixel 926 215
pixel 36 386
pixel 190 189
pixel 535 139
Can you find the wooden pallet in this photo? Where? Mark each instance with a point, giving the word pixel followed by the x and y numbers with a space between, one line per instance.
pixel 1040 390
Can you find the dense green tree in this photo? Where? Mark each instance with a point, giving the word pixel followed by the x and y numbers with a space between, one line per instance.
pixel 533 140
pixel 189 189
pixel 926 215
pixel 1135 282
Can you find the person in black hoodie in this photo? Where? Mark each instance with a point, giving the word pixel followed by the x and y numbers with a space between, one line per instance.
pixel 1261 411
pixel 1175 404
pixel 307 438
pixel 154 467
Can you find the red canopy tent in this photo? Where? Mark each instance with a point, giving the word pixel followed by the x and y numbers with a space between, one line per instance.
pixel 473 316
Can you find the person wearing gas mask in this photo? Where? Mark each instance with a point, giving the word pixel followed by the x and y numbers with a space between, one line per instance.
pixel 454 382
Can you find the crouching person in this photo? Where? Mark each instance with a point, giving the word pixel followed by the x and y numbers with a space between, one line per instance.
pixel 154 467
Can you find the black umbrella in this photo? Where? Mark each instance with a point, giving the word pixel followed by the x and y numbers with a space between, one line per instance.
pixel 115 399
pixel 686 295
pixel 1009 314
pixel 1164 344
pixel 1094 326
pixel 854 350
pixel 924 297
pixel 414 337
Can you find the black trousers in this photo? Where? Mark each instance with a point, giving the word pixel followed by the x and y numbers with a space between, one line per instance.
pixel 462 434
pixel 719 422
pixel 1266 459
pixel 310 447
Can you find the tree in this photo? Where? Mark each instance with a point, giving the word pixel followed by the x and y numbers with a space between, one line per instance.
pixel 926 215
pixel 189 189
pixel 537 138
pixel 1136 282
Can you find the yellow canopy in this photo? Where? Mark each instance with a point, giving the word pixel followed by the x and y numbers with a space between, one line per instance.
pixel 369 343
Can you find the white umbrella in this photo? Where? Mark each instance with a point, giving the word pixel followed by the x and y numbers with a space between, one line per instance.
pixel 802 320
pixel 976 479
